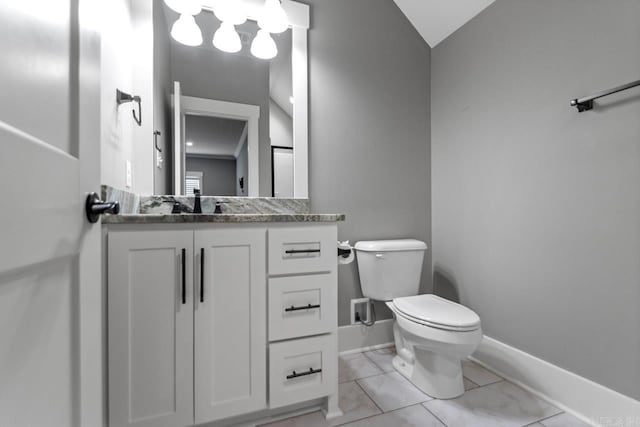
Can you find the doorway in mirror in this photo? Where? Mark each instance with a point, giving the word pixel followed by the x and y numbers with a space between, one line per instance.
pixel 216 160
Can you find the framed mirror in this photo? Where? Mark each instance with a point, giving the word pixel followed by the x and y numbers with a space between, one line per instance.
pixel 223 112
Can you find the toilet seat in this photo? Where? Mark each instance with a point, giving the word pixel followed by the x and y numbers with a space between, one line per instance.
pixel 433 311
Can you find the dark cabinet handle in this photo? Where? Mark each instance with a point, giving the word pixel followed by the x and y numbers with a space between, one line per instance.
pixel 201 274
pixel 311 371
pixel 94 207
pixel 302 251
pixel 184 276
pixel 304 307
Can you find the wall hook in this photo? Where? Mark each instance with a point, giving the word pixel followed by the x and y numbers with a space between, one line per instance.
pixel 123 97
pixel 156 134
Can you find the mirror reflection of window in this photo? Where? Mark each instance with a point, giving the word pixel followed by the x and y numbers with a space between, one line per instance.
pixel 216 147
pixel 193 181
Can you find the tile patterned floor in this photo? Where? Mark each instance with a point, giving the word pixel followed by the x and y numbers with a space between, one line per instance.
pixel 373 394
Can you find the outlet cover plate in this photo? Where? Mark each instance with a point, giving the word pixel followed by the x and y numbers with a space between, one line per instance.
pixel 360 305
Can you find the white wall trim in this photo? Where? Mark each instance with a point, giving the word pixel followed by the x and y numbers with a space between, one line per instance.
pixel 359 338
pixel 591 402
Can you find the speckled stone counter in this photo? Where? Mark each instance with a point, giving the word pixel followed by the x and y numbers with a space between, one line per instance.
pixel 136 209
pixel 218 218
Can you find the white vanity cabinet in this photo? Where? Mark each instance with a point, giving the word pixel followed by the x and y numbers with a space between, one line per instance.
pixel 303 362
pixel 208 322
pixel 150 328
pixel 229 320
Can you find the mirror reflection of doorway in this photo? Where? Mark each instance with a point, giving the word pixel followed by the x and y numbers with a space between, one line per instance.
pixel 216 158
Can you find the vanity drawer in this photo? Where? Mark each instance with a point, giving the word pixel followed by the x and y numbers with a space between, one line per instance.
pixel 302 305
pixel 302 370
pixel 302 250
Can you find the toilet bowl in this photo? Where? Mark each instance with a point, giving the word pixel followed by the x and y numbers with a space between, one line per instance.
pixel 432 337
pixel 432 334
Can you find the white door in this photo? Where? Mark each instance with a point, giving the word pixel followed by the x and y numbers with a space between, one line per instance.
pixel 50 279
pixel 282 172
pixel 230 323
pixel 150 312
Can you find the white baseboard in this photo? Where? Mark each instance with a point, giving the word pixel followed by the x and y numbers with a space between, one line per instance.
pixel 583 398
pixel 357 338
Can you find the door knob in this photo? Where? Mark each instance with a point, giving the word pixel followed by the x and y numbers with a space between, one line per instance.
pixel 95 207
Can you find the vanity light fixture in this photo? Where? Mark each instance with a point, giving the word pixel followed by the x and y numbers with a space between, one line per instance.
pixel 273 18
pixel 231 13
pixel 186 31
pixel 263 46
pixel 227 38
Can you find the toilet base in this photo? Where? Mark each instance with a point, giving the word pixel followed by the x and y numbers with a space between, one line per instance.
pixel 434 375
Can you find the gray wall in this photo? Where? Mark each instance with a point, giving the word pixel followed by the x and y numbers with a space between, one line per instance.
pixel 369 127
pixel 162 89
pixel 536 208
pixel 219 175
pixel 280 126
pixel 208 73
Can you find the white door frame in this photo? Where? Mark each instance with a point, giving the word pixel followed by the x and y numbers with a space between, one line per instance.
pixel 190 105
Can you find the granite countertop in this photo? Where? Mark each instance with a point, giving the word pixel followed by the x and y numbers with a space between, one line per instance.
pixel 218 218
pixel 135 209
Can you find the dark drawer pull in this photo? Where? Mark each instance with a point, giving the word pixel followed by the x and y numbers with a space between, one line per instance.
pixel 302 251
pixel 184 276
pixel 201 274
pixel 304 307
pixel 311 371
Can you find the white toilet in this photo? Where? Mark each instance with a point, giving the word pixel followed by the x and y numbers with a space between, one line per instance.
pixel 432 334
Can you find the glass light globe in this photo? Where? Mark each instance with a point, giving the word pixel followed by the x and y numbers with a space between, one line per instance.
pixel 263 46
pixel 231 11
pixel 227 39
pixel 186 31
pixel 184 7
pixel 273 18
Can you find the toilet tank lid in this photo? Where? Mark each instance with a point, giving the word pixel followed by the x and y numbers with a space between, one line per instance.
pixel 391 245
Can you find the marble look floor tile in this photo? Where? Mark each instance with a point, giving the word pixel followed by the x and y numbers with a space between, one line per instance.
pixel 478 374
pixel 314 419
pixel 563 420
pixel 497 405
pixel 354 366
pixel 382 358
pixel 413 416
pixel 468 384
pixel 392 391
pixel 354 403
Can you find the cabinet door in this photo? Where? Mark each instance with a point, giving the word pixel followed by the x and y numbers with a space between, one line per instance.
pixel 230 323
pixel 150 328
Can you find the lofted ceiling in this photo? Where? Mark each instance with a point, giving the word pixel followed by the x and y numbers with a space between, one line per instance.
pixel 436 20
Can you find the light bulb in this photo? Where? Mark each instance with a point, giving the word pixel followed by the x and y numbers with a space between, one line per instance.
pixel 273 18
pixel 227 39
pixel 263 46
pixel 186 31
pixel 231 11
pixel 184 7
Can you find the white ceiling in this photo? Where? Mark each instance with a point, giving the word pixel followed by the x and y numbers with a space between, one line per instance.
pixel 436 20
pixel 213 136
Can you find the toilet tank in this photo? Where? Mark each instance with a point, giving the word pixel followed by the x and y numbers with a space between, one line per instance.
pixel 390 268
